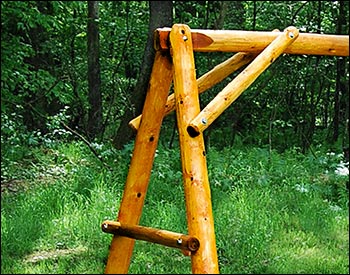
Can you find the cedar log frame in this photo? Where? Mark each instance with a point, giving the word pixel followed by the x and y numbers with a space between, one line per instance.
pixel 174 61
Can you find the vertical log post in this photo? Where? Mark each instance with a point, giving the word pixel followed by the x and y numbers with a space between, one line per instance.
pixel 195 175
pixel 141 162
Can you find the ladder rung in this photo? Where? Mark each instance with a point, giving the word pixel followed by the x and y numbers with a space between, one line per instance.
pixel 153 235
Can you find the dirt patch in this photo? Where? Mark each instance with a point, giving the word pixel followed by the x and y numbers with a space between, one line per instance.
pixel 13 186
pixel 53 254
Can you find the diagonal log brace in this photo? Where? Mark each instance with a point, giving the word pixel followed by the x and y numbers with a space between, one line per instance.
pixel 241 82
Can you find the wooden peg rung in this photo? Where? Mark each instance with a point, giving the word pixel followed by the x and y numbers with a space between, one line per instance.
pixel 154 235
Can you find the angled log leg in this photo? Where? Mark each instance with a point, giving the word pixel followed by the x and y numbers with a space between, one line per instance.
pixel 195 175
pixel 141 162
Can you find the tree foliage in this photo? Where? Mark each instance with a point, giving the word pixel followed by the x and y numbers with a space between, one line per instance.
pixel 301 101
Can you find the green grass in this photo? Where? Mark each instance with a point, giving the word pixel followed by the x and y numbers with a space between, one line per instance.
pixel 274 213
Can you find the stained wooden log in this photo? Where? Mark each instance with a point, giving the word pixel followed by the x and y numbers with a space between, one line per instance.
pixel 232 91
pixel 194 168
pixel 256 41
pixel 208 80
pixel 154 235
pixel 141 162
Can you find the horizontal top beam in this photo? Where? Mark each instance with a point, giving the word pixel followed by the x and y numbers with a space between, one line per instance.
pixel 256 41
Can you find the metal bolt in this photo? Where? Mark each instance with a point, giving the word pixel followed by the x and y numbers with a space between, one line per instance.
pixel 291 35
pixel 179 241
pixel 185 38
pixel 204 121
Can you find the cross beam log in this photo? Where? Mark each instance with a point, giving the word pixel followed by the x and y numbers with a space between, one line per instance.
pixel 256 41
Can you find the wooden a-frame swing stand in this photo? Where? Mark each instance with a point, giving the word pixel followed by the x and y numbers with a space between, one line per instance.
pixel 174 61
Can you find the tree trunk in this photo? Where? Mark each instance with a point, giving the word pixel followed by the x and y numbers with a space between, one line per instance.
pixel 94 78
pixel 160 16
pixel 310 110
pixel 340 90
pixel 219 23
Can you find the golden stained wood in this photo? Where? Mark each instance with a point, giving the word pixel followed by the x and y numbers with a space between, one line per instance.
pixel 153 235
pixel 182 42
pixel 232 91
pixel 141 162
pixel 195 176
pixel 256 41
pixel 208 80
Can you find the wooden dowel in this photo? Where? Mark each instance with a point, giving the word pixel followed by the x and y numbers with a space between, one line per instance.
pixel 153 235
pixel 208 80
pixel 256 41
pixel 231 92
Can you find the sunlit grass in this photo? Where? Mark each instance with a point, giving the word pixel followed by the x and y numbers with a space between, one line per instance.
pixel 274 213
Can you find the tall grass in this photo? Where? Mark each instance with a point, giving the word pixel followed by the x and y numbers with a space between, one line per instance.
pixel 274 213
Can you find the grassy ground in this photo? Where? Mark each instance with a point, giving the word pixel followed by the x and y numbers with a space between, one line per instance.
pixel 274 213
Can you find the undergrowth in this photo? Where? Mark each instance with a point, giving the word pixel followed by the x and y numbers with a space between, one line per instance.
pixel 274 212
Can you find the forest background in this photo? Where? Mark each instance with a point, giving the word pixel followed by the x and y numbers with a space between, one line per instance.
pixel 299 102
pixel 74 73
